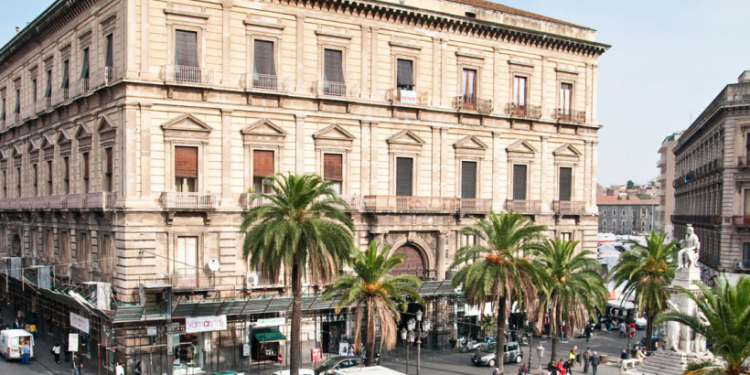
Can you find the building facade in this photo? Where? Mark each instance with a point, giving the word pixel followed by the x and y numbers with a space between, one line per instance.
pixel 627 214
pixel 712 182
pixel 132 131
pixel 666 176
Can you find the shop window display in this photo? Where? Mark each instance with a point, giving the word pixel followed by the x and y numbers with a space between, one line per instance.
pixel 188 351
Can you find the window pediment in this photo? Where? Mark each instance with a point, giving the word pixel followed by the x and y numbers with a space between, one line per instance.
pixel 567 152
pixel 333 136
pixel 33 148
pixel 521 149
pixel 470 145
pixel 5 153
pixel 405 140
pixel 106 129
pixel 186 126
pixel 18 149
pixel 83 134
pixel 49 140
pixel 263 130
pixel 64 141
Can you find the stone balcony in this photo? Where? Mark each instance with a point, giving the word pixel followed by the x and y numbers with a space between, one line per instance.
pixel 523 206
pixel 101 201
pixel 569 207
pixel 174 201
pixel 411 204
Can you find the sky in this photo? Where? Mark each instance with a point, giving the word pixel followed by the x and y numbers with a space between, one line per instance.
pixel 668 60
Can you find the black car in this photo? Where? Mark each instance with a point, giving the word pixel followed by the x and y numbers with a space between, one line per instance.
pixel 338 363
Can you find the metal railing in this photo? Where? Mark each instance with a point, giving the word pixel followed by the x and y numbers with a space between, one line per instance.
pixel 473 103
pixel 578 117
pixel 568 207
pixel 188 201
pixel 696 219
pixel 189 74
pixel 523 206
pixel 265 82
pixel 331 88
pixel 101 200
pixel 525 111
pixel 477 205
pixel 409 203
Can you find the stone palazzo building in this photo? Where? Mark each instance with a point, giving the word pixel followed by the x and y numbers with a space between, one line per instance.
pixel 712 182
pixel 132 131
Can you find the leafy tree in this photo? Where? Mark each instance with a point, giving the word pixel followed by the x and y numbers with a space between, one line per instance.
pixel 302 232
pixel 573 288
pixel 371 289
pixel 499 270
pixel 631 184
pixel 726 326
pixel 646 272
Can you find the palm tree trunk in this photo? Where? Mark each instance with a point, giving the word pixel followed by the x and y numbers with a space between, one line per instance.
pixel 555 336
pixel 370 333
pixel 294 350
pixel 500 334
pixel 650 331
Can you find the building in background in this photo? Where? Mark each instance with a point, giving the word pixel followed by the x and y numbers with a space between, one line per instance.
pixel 627 214
pixel 712 182
pixel 665 182
pixel 131 131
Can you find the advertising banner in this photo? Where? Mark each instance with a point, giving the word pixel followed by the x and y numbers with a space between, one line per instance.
pixel 205 324
pixel 72 342
pixel 79 322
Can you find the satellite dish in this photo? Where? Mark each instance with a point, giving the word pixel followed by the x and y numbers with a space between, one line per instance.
pixel 214 265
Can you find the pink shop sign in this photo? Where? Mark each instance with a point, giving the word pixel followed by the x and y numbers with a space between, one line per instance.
pixel 205 324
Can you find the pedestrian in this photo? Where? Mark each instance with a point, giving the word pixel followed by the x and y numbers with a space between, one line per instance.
pixel 138 369
pixel 19 315
pixel 16 324
pixel 552 368
pixel 573 354
pixel 622 330
pixel 32 329
pixel 119 370
pixel 587 332
pixel 524 370
pixel 25 353
pixel 496 371
pixel 624 355
pixel 595 362
pixel 586 360
pixel 633 327
pixel 77 364
pixel 56 352
pixel 561 368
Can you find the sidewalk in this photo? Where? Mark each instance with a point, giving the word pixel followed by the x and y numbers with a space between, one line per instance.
pixel 43 352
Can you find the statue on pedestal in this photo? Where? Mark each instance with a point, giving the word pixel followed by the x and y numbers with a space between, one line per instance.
pixel 672 331
pixel 687 257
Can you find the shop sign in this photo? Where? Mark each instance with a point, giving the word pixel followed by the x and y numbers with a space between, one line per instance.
pixel 245 350
pixel 317 355
pixel 72 342
pixel 205 324
pixel 151 331
pixel 281 359
pixel 270 322
pixel 79 322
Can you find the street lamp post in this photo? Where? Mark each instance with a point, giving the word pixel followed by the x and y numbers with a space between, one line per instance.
pixel 415 330
pixel 540 354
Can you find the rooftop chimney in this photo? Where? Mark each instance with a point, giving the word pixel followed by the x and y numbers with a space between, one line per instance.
pixel 744 77
pixel 18 29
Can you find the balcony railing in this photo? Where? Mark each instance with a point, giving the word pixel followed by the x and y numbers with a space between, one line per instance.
pixel 203 282
pixel 102 77
pixel 101 200
pixel 330 88
pixel 189 74
pixel 475 205
pixel 696 219
pixel 265 82
pixel 412 97
pixel 578 117
pixel 568 207
pixel 738 220
pixel 188 201
pixel 59 96
pixel 79 87
pixel 40 203
pixel 79 274
pixel 246 202
pixel 525 111
pixel 76 201
pixel 43 104
pixel 473 103
pixel 58 202
pixel 523 206
pixel 409 203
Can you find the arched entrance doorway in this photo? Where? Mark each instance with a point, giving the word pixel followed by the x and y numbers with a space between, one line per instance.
pixel 15 246
pixel 413 264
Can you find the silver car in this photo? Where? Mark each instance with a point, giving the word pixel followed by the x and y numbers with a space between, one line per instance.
pixel 487 356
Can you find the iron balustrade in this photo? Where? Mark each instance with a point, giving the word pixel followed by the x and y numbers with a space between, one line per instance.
pixel 265 82
pixel 523 206
pixel 188 201
pixel 568 207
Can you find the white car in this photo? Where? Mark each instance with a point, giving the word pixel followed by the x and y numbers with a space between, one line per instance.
pixel 302 371
pixel 640 323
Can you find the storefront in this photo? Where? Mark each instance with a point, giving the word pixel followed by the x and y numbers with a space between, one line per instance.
pixel 266 344
pixel 333 330
pixel 191 340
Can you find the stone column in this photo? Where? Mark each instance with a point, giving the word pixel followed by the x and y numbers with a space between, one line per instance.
pixel 442 242
pixel 374 145
pixel 299 140
pixel 145 154
pixel 300 53
pixel 226 155
pixel 545 195
pixel 226 6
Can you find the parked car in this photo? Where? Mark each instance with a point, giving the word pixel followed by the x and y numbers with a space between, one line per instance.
pixel 302 371
pixel 338 363
pixel 487 356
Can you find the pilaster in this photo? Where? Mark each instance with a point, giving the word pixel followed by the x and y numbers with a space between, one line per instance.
pixel 226 156
pixel 145 154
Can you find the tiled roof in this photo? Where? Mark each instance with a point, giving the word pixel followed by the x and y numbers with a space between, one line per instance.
pixel 511 10
pixel 611 200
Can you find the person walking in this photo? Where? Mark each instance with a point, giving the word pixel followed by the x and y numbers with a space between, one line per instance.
pixel 138 369
pixel 32 329
pixel 586 360
pixel 595 359
pixel 56 352
pixel 119 370
pixel 623 333
pixel 587 332
pixel 16 324
pixel 572 358
pixel 77 364
pixel 552 368
pixel 25 353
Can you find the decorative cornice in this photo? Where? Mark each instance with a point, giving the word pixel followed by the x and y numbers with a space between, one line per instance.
pixel 178 12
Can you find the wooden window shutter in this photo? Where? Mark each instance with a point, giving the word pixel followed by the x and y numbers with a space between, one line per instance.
pixel 85 165
pixel 66 165
pixel 566 179
pixel 108 152
pixel 404 169
pixel 333 167
pixel 468 179
pixel 186 162
pixel 263 165
pixel 519 182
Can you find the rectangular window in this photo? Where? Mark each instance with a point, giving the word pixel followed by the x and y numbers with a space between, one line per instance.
pixel 186 256
pixel 18 102
pixel 2 115
pixel 263 169
pixel 5 185
pixel 104 250
pixel 333 170
pixel 405 74
pixel 468 179
pixel 85 173
pixel 18 184
pixel 33 90
pixel 66 175
pixel 110 58
pixel 83 251
pixel 186 56
pixel 746 255
pixel 49 177
pixel 85 66
pixel 468 89
pixel 34 180
pixel 48 90
pixel 565 100
pixel 66 75
pixel 519 182
pixel 108 169
pixel 519 95
pixel 186 169
pixel 566 179
pixel 565 236
pixel 333 73
pixel 404 173
pixel 264 69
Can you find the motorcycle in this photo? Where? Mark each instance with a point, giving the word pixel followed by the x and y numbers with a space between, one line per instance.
pixel 467 345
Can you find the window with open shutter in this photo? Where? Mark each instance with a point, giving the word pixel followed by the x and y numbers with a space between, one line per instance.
pixel 110 59
pixel 404 173
pixel 566 180
pixel 85 185
pixel 263 65
pixel 519 182
pixel 333 170
pixel 566 90
pixel 66 75
pixel 35 179
pixel 85 67
pixel 49 177
pixel 468 179
pixel 405 74
pixel 186 168
pixel 108 169
pixel 333 73
pixel 48 90
pixel 263 168
pixel 468 88
pixel 18 101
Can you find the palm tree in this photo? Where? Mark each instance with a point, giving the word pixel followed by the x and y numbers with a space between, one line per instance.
pixel 646 272
pixel 302 232
pixel 573 288
pixel 370 289
pixel 500 269
pixel 723 319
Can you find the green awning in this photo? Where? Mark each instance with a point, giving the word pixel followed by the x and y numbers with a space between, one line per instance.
pixel 269 335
